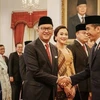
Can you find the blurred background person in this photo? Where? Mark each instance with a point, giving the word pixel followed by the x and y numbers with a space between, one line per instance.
pixel 22 65
pixel 23 69
pixel 14 71
pixel 2 51
pixel 5 92
pixel 80 53
pixel 65 62
pixel 78 18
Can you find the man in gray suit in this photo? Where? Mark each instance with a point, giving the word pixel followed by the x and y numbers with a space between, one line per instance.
pixel 78 18
pixel 80 53
pixel 93 69
pixel 41 64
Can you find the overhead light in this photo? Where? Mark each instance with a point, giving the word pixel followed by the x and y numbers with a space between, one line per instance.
pixel 30 5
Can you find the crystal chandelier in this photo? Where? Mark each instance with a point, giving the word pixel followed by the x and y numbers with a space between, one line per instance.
pixel 30 5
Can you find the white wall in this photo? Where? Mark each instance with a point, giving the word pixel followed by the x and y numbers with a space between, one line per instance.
pixel 0 20
pixel 54 11
pixel 7 6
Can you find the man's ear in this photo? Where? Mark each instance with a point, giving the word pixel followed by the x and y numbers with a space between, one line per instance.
pixel 77 8
pixel 77 33
pixel 98 29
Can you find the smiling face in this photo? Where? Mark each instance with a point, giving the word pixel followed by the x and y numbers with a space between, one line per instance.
pixel 45 32
pixel 19 48
pixel 93 31
pixel 62 36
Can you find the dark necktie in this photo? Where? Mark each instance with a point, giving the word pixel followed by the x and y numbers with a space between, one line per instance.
pixel 83 20
pixel 48 52
pixel 94 49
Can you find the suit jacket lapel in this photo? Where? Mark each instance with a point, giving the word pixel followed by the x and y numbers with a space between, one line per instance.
pixel 93 56
pixel 77 18
pixel 53 58
pixel 88 50
pixel 80 48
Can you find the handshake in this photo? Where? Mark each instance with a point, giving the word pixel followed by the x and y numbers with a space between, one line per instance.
pixel 64 84
pixel 64 81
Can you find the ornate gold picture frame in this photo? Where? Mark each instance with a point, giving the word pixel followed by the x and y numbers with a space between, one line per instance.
pixel 64 10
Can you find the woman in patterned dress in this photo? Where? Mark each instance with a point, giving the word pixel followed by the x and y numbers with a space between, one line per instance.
pixel 65 63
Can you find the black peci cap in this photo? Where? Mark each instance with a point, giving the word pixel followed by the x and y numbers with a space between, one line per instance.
pixel 92 19
pixel 45 20
pixel 81 2
pixel 80 27
pixel 26 42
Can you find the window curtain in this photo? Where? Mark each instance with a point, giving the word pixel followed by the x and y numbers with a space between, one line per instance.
pixel 20 19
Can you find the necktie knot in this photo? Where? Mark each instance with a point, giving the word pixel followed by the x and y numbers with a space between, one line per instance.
pixel 47 45
pixel 83 19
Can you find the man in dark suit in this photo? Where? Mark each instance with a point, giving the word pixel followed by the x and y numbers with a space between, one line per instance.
pixel 93 69
pixel 41 64
pixel 80 53
pixel 78 18
pixel 14 71
pixel 23 69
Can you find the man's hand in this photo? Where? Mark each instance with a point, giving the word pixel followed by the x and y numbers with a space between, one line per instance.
pixel 64 81
pixel 11 79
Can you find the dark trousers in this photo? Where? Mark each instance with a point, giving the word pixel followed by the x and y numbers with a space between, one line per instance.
pixel 84 95
pixel 81 95
pixel 77 95
pixel 16 88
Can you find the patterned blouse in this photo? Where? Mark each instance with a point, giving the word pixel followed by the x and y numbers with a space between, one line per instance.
pixel 4 80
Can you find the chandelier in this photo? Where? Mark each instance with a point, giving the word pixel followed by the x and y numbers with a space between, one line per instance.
pixel 30 5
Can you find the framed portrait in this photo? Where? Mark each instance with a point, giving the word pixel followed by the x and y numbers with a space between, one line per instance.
pixel 69 9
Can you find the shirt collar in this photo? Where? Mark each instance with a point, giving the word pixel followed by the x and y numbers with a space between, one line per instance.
pixel 80 42
pixel 97 41
pixel 80 16
pixel 43 42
